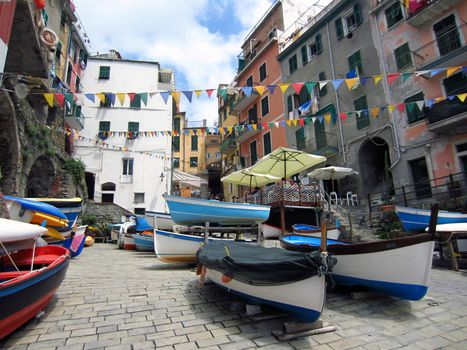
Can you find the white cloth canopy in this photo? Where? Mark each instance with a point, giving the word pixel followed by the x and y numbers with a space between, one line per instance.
pixel 331 173
pixel 184 179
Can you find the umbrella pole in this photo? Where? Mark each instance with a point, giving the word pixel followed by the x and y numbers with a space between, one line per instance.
pixel 282 208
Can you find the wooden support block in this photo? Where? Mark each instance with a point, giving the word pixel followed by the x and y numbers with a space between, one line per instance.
pixel 295 327
pixel 365 295
pixel 280 335
pixel 264 317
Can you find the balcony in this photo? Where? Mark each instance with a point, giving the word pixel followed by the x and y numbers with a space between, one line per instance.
pixel 448 50
pixel 243 101
pixel 326 144
pixel 247 131
pixel 428 10
pixel 228 145
pixel 447 117
pixel 75 119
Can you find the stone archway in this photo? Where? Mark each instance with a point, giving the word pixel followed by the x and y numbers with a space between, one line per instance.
pixel 374 158
pixel 41 177
pixel 90 179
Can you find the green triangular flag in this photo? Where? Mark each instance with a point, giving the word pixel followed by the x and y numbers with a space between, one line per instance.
pixel 310 86
pixel 405 76
pixel 223 93
pixel 410 106
pixel 69 98
pixel 144 97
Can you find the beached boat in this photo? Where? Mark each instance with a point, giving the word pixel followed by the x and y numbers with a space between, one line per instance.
pixel 196 211
pixel 161 221
pixel 399 267
pixel 416 220
pixel 144 242
pixel 270 231
pixel 315 231
pixel 173 247
pixel 27 286
pixel 294 282
pixel 71 207
pixel 74 244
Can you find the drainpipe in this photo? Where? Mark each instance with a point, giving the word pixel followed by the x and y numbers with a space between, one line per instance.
pixel 341 133
pixel 379 47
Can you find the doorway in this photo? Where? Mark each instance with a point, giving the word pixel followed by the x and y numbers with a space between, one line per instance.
pixel 420 177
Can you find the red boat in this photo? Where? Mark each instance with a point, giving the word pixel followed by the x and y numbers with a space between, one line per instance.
pixel 28 280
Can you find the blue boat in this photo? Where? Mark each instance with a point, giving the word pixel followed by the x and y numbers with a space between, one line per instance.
pixel 144 243
pixel 32 205
pixel 416 220
pixel 70 207
pixel 195 211
pixel 73 244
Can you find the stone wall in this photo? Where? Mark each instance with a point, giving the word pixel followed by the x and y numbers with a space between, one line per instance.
pixel 105 212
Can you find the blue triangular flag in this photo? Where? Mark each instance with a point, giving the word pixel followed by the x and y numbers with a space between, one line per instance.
pixel 451 97
pixel 91 97
pixel 336 83
pixel 436 71
pixel 247 90
pixel 363 80
pixel 283 123
pixel 429 102
pixel 271 88
pixel 352 73
pixel 111 98
pixel 165 96
pixel 188 95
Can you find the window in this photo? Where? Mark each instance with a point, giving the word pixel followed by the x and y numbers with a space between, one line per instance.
pixel 253 152
pixel 349 22
pixel 262 72
pixel 300 138
pixel 253 115
pixel 140 211
pixel 104 72
pixel 69 73
pixel 194 142
pixel 317 47
pixel 249 81
pixel 447 35
pixel 264 106
pixel 267 143
pixel 58 51
pixel 133 128
pixel 176 162
pixel 360 104
pixel 107 198
pixel 355 61
pixel 177 124
pixel 455 84
pixel 413 113
pixel 293 64
pixel 403 57
pixel 136 103
pixel 393 14
pixel 104 128
pixel 208 155
pixel 304 96
pixel 193 162
pixel 304 55
pixel 139 197
pixel 176 143
pixel 218 154
pixel 127 166
pixel 77 84
pixel 324 90
pixel 290 103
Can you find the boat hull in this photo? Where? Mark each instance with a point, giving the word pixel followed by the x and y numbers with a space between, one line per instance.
pixel 304 299
pixel 162 221
pixel 398 267
pixel 315 231
pixel 144 243
pixel 172 247
pixel 195 211
pixel 128 242
pixel 270 231
pixel 74 244
pixel 417 220
pixel 22 298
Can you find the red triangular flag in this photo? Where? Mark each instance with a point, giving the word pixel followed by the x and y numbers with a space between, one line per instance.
pixel 343 116
pixel 131 95
pixel 60 99
pixel 392 77
pixel 301 122
pixel 209 92
pixel 400 107
pixel 297 87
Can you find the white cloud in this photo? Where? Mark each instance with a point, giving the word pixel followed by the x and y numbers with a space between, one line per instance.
pixel 172 33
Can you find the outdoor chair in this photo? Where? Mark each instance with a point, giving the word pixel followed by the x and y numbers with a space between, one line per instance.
pixel 333 198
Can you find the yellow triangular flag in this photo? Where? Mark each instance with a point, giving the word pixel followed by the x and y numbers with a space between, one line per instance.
pixel 101 97
pixel 255 126
pixel 391 108
pixel 295 121
pixel 121 97
pixel 327 118
pixel 351 82
pixel 284 87
pixel 176 96
pixel 230 129
pixel 450 71
pixel 197 92
pixel 260 89
pixel 221 131
pixel 462 96
pixel 377 78
pixel 374 112
pixel 288 122
pixel 50 99
pixel 439 99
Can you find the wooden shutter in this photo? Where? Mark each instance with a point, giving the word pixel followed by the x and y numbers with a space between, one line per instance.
pixel 339 28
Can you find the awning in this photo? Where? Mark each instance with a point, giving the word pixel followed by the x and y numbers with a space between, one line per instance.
pixel 184 179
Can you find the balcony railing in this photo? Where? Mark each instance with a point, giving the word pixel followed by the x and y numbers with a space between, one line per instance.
pixel 293 195
pixel 75 119
pixel 426 10
pixel 242 101
pixel 446 116
pixel 326 144
pixel 442 48
pixel 227 143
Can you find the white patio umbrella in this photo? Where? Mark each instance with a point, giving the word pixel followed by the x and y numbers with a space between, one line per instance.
pixel 332 173
pixel 245 177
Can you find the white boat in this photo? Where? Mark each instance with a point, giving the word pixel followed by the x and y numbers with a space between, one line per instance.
pixel 17 235
pixel 270 231
pixel 173 247
pixel 272 276
pixel 160 220
pixel 315 231
pixel 195 211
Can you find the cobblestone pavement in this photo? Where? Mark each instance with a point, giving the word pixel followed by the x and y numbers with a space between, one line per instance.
pixel 114 299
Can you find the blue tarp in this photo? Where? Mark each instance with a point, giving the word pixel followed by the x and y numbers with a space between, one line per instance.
pixel 142 224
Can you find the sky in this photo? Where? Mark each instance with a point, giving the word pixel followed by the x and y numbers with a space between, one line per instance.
pixel 199 39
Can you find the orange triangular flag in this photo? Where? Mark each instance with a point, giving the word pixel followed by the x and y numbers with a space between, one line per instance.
pixel 377 78
pixel 176 96
pixel 197 92
pixel 351 82
pixel 260 89
pixel 462 96
pixel 374 112
pixel 450 71
pixel 121 97
pixel 255 126
pixel 50 99
pixel 101 97
pixel 284 87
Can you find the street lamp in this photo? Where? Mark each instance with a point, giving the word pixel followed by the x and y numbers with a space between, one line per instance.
pixel 162 177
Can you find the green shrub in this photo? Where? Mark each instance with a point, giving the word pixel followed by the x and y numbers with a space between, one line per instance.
pixel 76 168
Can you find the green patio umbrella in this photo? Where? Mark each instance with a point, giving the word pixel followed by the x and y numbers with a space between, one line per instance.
pixel 245 177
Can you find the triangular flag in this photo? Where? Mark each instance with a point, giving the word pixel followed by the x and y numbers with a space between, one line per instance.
pixel 50 99
pixel 188 95
pixel 351 82
pixel 255 126
pixel 297 87
pixel 420 105
pixel 69 98
pixel 429 102
pixel 197 92
pixel 374 112
pixel 165 96
pixel 451 97
pixel 377 78
pixel 363 80
pixel 223 93
pixel 392 77
pixel 209 92
pixel 301 122
pixel 60 99
pixel 327 118
pixel 176 96
pixel 436 71
pixel 462 96
pixel 422 72
pixel 343 116
pixel 271 88
pixel 391 108
pixel 271 125
pixel 322 84
pixel 260 89
pixel 405 76
pixel 121 97
pixel 284 87
pixel 336 83
pixel 247 90
pixel 101 97
pixel 111 98
pixel 310 86
pixel 400 107
pixel 144 97
pixel 131 95
pixel 410 106
pixel 91 97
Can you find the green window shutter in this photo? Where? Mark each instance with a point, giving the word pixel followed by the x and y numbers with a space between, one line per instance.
pixel 176 143
pixel 324 90
pixel 304 55
pixel 292 64
pixel 300 138
pixel 319 45
pixel 364 119
pixel 339 29
pixel 355 61
pixel 403 57
pixel 357 14
pixel 194 142
pixel 289 103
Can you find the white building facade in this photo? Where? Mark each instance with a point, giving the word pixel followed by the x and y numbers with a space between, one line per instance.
pixel 126 147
